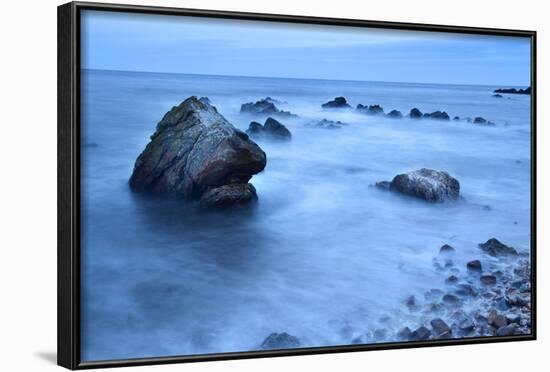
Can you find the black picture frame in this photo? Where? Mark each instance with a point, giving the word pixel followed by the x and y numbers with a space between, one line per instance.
pixel 68 321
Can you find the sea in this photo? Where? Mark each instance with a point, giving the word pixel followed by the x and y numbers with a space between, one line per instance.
pixel 324 255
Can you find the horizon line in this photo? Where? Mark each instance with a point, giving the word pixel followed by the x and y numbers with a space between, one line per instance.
pixel 294 78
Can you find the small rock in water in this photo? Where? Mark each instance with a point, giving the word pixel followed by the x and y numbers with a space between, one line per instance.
pixel 466 326
pixel 437 115
pixel 488 280
pixel 415 113
pixel 394 114
pixel 500 321
pixel 446 249
pixel 456 118
pixel 466 290
pixel 440 328
pixel 271 129
pixel 496 249
pixel 404 333
pixel 421 333
pixel 451 280
pixel 227 196
pixel 338 102
pixel 474 265
pixel 370 110
pixel 451 300
pixel 410 301
pixel 508 330
pixel 280 341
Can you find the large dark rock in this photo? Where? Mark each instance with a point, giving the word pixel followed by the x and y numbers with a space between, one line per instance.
pixel 513 91
pixel 427 184
pixel 264 106
pixel 496 249
pixel 280 341
pixel 336 103
pixel 271 129
pixel 370 110
pixel 195 151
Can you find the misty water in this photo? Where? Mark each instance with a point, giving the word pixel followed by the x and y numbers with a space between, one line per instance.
pixel 323 256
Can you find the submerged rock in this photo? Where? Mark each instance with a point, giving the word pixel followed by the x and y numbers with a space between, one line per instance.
pixel 497 95
pixel 427 184
pixel 271 129
pixel 496 249
pixel 370 110
pixel 338 102
pixel 280 341
pixel 194 151
pixel 329 124
pixel 482 121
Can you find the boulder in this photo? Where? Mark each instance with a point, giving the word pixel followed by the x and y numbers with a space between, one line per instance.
pixel 370 110
pixel 456 118
pixel 195 151
pixel 482 121
pixel 427 184
pixel 336 103
pixel 404 333
pixel 508 330
pixel 280 341
pixel 474 265
pixel 496 249
pixel 488 280
pixel 395 114
pixel 446 249
pixel 271 129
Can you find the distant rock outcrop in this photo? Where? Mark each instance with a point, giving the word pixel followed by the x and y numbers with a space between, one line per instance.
pixel 395 114
pixel 197 154
pixel 415 113
pixel 437 115
pixel 271 129
pixel 336 103
pixel 427 184
pixel 513 91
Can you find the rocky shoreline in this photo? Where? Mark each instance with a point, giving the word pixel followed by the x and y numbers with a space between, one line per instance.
pixel 488 297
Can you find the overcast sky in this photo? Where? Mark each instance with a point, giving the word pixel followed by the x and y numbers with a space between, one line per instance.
pixel 159 43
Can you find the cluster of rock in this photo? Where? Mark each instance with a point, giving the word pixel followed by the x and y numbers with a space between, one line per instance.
pixel 513 90
pixel 426 184
pixel 265 106
pixel 197 154
pixel 341 103
pixel 503 298
pixel 272 129
pixel 501 292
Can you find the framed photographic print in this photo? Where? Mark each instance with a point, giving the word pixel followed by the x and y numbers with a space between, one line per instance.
pixel 238 185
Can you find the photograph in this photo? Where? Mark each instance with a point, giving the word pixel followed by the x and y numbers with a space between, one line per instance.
pixel 260 185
